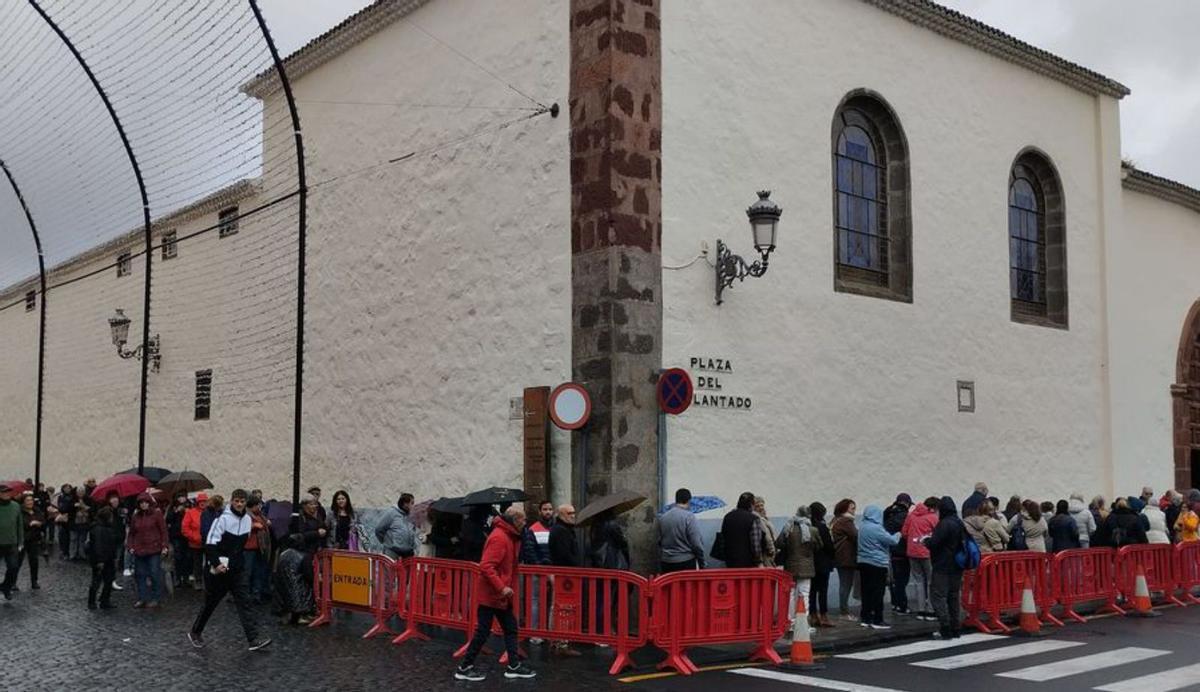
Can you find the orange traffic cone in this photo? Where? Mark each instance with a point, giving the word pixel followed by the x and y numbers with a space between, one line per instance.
pixel 801 655
pixel 1142 608
pixel 1031 625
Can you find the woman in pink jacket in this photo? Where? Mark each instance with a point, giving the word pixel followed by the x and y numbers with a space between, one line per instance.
pixel 917 527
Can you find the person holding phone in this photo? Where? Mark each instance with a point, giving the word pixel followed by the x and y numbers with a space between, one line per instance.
pixel 226 574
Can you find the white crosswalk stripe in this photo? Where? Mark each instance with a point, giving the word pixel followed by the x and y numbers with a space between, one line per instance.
pixel 1084 664
pixel 810 680
pixel 1167 680
pixel 923 646
pixel 976 658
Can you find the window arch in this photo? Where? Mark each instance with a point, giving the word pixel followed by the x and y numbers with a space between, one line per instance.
pixel 872 238
pixel 1037 266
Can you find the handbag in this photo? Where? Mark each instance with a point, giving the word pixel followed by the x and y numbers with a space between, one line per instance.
pixel 718 547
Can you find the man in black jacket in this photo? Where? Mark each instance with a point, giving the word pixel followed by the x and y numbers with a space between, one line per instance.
pixel 943 543
pixel 742 534
pixel 564 552
pixel 893 521
pixel 225 548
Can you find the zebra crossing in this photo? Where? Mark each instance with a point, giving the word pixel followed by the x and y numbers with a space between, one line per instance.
pixel 1070 658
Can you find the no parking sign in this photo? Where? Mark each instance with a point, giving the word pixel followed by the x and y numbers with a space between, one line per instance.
pixel 674 390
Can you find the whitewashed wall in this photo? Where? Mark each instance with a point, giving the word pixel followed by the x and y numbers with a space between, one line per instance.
pixel 1153 282
pixel 855 396
pixel 439 287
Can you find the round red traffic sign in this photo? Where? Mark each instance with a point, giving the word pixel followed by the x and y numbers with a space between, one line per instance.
pixel 570 406
pixel 674 390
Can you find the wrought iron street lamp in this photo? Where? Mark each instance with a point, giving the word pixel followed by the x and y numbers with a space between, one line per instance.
pixel 119 324
pixel 764 220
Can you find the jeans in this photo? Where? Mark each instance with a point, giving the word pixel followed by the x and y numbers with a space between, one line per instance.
pixel 259 569
pixel 899 585
pixel 148 567
pixel 32 551
pixel 668 567
pixel 233 582
pixel 78 539
pixel 845 587
pixel 12 566
pixel 946 590
pixel 103 574
pixel 799 590
pixel 874 582
pixel 921 570
pixel 818 595
pixel 483 629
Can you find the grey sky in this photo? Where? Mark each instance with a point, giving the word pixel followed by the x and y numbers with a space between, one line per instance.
pixel 1149 46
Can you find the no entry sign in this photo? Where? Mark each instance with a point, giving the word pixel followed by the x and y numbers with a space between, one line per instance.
pixel 674 390
pixel 570 406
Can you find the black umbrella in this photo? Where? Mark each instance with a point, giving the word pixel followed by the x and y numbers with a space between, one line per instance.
pixel 183 482
pixel 154 474
pixel 495 496
pixel 618 503
pixel 449 505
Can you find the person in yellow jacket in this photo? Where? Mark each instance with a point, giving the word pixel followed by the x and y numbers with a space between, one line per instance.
pixel 1187 526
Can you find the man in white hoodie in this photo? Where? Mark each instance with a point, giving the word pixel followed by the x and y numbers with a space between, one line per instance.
pixel 1084 519
pixel 225 549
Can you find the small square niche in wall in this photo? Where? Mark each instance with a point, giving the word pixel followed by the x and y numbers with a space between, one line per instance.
pixel 966 396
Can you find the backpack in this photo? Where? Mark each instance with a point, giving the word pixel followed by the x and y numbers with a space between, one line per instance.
pixel 1017 537
pixel 968 554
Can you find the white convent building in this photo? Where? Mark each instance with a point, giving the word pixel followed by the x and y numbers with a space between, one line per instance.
pixel 968 284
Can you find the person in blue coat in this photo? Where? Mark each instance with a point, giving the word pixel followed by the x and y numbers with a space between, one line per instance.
pixel 874 554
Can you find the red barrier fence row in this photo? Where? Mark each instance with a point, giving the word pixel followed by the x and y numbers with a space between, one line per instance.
pixel 677 611
pixel 1076 576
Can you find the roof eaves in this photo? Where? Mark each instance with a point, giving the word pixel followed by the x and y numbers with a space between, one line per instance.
pixel 344 35
pixel 976 34
pixel 1157 186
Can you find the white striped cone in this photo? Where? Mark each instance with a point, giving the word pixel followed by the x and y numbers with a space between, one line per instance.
pixel 801 654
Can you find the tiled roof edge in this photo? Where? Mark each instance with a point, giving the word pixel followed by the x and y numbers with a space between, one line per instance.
pixel 1147 183
pixel 344 35
pixel 976 34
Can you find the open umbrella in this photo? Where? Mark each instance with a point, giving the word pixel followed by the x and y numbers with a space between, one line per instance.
pixel 449 505
pixel 183 481
pixel 280 515
pixel 618 502
pixel 154 474
pixel 123 484
pixel 495 496
pixel 16 487
pixel 700 503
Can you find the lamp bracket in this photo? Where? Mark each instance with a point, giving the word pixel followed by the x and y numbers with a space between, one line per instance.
pixel 731 267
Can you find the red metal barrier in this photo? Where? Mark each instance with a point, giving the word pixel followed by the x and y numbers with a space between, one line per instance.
pixel 1158 561
pixel 1085 574
pixel 998 584
pixel 442 594
pixel 591 606
pixel 718 606
pixel 1187 564
pixel 359 582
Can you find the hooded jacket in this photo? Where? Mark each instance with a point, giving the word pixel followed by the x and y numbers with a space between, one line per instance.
pixel 874 542
pixel 1158 525
pixel 227 538
pixel 1085 521
pixel 397 533
pixel 919 524
pixel 191 525
pixel 498 566
pixel 102 543
pixel 1187 526
pixel 946 539
pixel 147 530
pixel 1035 531
pixel 1122 527
pixel 893 520
pixel 988 532
pixel 800 552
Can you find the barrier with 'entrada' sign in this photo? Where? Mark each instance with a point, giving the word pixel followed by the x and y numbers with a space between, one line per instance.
pixel 351 580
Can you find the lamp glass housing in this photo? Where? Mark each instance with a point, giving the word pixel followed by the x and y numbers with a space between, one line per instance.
pixel 119 324
pixel 764 233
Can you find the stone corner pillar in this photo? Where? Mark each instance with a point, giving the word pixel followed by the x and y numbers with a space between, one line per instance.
pixel 616 259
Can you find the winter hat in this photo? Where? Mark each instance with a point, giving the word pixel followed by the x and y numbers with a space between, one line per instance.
pixel 1136 504
pixel 201 498
pixel 802 511
pixel 904 499
pixel 146 497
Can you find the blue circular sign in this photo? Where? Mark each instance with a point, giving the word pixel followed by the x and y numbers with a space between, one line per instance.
pixel 674 390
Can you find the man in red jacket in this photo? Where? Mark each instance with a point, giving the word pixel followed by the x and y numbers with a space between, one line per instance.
pixel 496 588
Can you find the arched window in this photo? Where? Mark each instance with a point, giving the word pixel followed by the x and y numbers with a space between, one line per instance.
pixel 1036 242
pixel 871 209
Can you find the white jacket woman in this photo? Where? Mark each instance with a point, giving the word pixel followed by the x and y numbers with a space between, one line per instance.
pixel 1158 525
pixel 1084 519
